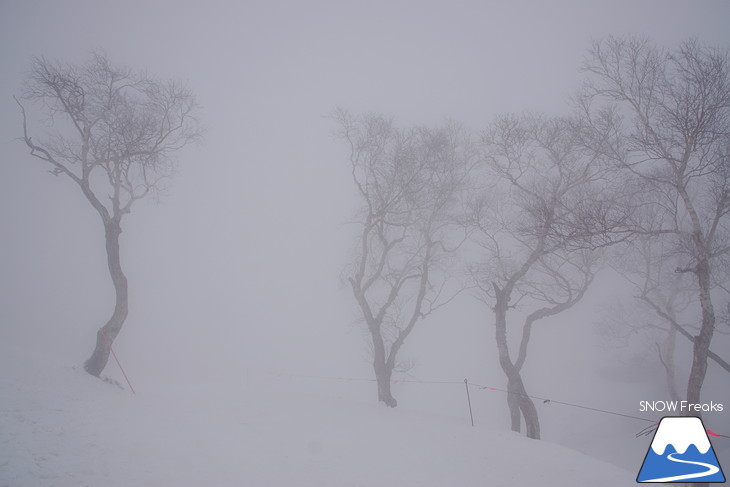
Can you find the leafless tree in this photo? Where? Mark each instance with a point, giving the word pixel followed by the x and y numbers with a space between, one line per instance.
pixel 409 182
pixel 673 111
pixel 665 303
pixel 112 132
pixel 542 189
pixel 655 315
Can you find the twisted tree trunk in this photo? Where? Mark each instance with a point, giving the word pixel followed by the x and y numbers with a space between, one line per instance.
pixel 383 371
pixel 520 404
pixel 108 333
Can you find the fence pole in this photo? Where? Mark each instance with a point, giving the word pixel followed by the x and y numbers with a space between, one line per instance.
pixel 468 399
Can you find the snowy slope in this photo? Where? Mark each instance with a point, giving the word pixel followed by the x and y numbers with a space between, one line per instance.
pixel 61 427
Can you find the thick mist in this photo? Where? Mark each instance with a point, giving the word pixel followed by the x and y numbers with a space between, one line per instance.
pixel 235 273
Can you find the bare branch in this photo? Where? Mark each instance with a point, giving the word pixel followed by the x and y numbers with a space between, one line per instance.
pixel 410 182
pixel 123 123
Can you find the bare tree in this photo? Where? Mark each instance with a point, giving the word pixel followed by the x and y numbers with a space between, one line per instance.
pixel 111 131
pixel 673 111
pixel 662 299
pixel 536 218
pixel 665 303
pixel 409 182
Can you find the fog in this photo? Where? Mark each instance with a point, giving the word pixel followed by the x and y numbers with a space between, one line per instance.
pixel 235 271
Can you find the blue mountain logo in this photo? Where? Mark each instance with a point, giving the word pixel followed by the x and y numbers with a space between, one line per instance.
pixel 680 452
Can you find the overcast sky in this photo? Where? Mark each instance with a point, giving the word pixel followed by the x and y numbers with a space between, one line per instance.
pixel 240 262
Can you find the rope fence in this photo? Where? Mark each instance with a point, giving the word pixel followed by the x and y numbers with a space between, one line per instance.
pixel 648 430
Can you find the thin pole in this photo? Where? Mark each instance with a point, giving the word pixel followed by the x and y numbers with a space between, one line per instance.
pixel 468 399
pixel 122 369
pixel 101 330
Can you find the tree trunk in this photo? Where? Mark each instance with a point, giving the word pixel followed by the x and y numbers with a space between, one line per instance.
pixel 522 406
pixel 702 341
pixel 513 403
pixel 669 346
pixel 383 372
pixel 383 375
pixel 519 403
pixel 108 333
pixel 529 412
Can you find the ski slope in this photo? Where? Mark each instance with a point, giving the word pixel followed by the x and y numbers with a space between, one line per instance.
pixel 61 427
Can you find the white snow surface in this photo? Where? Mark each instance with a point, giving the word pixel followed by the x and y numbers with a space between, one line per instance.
pixel 681 433
pixel 61 427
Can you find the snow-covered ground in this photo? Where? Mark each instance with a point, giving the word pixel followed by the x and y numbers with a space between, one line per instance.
pixel 61 427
